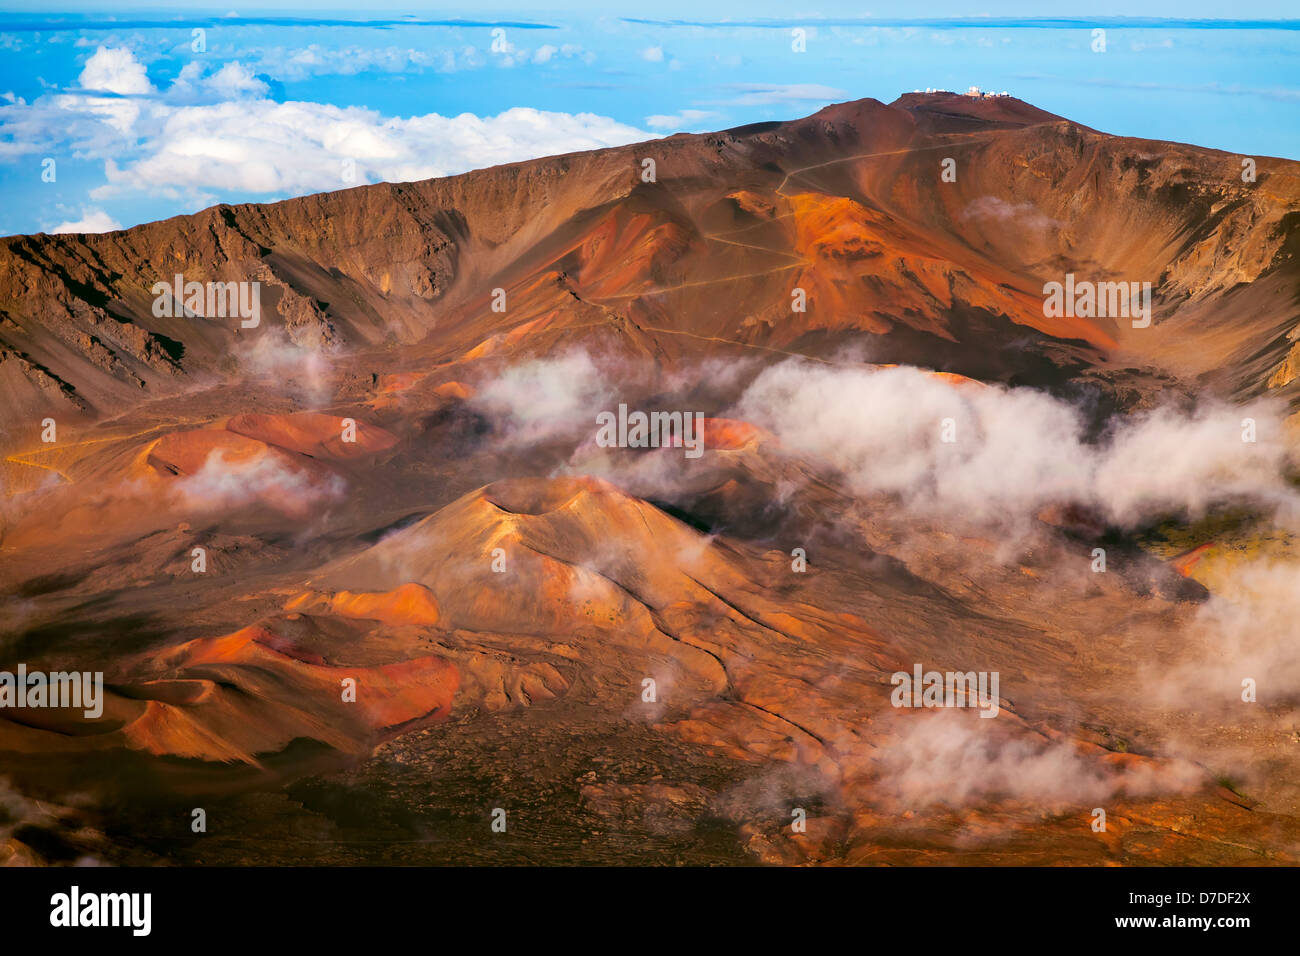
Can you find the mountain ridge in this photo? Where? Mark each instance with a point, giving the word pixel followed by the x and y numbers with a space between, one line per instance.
pixel 914 266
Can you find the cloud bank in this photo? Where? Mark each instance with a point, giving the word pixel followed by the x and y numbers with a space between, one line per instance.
pixel 219 127
pixel 1013 451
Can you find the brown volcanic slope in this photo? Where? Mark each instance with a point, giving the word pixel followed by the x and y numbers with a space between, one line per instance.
pixel 499 608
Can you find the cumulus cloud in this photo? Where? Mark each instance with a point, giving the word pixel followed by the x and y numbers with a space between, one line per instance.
pixel 653 54
pixel 260 146
pixel 1015 450
pixel 231 81
pixel 115 70
pixel 219 127
pixel 92 220
pixel 69 122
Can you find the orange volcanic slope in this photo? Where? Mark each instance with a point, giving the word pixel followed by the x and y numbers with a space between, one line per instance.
pixel 237 697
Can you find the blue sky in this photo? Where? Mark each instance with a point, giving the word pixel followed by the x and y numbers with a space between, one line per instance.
pixel 138 120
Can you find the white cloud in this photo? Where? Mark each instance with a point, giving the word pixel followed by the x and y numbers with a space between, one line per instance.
pixel 292 64
pixel 679 120
pixel 1002 213
pixel 261 146
pixel 231 81
pixel 271 478
pixel 1245 630
pixel 214 134
pixel 762 94
pixel 949 757
pixel 92 220
pixel 115 70
pixel 1016 449
pixel 83 125
pixel 653 54
pixel 1137 46
pixel 544 53
pixel 89 123
pixel 544 398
